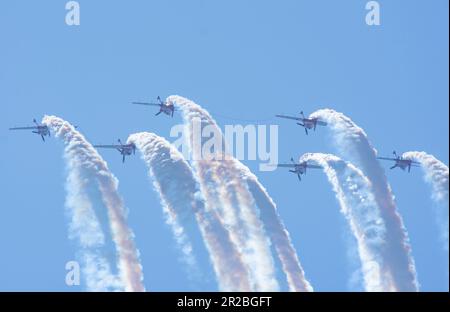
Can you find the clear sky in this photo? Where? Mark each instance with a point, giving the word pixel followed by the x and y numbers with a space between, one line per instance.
pixel 241 59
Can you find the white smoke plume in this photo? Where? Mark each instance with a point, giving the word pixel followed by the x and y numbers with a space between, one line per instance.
pixel 237 211
pixel 86 229
pixel 353 144
pixel 354 194
pixel 181 196
pixel 83 158
pixel 277 232
pixel 436 174
pixel 222 179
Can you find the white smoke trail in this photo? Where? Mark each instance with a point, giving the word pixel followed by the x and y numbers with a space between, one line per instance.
pixel 181 196
pixel 85 228
pixel 165 180
pixel 277 232
pixel 222 178
pixel 239 214
pixel 436 173
pixel 354 194
pixel 83 158
pixel 352 143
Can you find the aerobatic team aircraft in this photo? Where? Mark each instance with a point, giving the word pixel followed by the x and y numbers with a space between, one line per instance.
pixel 39 129
pixel 401 162
pixel 299 168
pixel 166 107
pixel 124 149
pixel 307 123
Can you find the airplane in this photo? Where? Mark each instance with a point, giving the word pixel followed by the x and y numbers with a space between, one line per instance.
pixel 39 129
pixel 164 107
pixel 299 168
pixel 307 123
pixel 124 149
pixel 401 163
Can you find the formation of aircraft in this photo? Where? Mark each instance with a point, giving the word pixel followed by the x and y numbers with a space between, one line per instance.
pixel 165 107
pixel 168 108
pixel 307 123
pixel 401 162
pixel 124 149
pixel 299 168
pixel 39 129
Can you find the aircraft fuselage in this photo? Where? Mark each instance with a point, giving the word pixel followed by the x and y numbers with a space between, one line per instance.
pixel 300 169
pixel 309 123
pixel 126 150
pixel 403 163
pixel 42 130
pixel 167 109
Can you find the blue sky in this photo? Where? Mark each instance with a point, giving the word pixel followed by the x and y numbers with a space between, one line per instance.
pixel 241 59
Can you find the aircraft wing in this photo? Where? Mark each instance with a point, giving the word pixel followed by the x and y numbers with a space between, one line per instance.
pixel 314 166
pixel 321 123
pixel 286 165
pixel 23 128
pixel 108 146
pixel 414 162
pixel 289 117
pixel 386 158
pixel 145 103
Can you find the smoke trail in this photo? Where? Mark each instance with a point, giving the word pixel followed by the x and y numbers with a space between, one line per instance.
pixel 277 232
pixel 83 158
pixel 175 207
pixel 436 173
pixel 352 142
pixel 180 194
pixel 239 213
pixel 354 194
pixel 237 202
pixel 85 228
